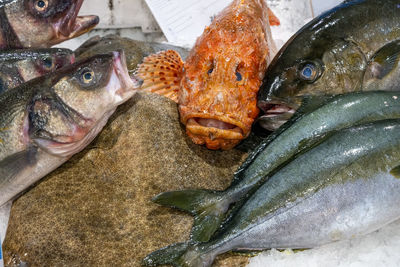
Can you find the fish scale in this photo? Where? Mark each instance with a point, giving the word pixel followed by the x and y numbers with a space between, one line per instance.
pixel 41 26
pixel 308 129
pixel 41 127
pixel 327 193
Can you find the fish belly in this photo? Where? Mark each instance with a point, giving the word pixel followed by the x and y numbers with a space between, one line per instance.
pixel 336 212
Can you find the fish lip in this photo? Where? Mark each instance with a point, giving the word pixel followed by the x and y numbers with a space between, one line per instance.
pixel 70 20
pixel 128 87
pixel 237 133
pixel 275 113
pixel 272 122
pixel 71 25
pixel 82 24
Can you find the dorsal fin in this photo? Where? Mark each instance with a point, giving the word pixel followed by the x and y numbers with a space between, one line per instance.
pixel 273 19
pixel 161 73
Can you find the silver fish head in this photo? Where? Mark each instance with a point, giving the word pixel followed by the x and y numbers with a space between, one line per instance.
pixel 65 119
pixel 18 66
pixel 43 23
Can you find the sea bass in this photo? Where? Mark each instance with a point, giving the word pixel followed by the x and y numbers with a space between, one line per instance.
pixel 335 191
pixel 337 52
pixel 47 120
pixel 41 23
pixel 216 87
pixel 19 66
pixel 299 134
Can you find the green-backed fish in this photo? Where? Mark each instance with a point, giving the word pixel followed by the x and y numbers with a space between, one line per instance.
pixel 41 23
pixel 345 187
pixel 22 65
pixel 47 120
pixel 301 133
pixel 352 47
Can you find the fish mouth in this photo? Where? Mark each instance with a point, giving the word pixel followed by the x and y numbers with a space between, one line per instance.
pixel 121 84
pixel 79 138
pixel 71 25
pixel 215 128
pixel 276 113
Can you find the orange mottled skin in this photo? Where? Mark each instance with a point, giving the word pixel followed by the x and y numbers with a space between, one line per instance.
pixel 238 39
pixel 216 88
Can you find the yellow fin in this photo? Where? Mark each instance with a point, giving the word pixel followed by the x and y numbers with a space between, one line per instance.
pixel 161 73
pixel 395 172
pixel 273 19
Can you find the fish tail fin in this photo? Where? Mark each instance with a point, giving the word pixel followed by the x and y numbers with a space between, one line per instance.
pixel 273 19
pixel 207 207
pixel 179 255
pixel 161 73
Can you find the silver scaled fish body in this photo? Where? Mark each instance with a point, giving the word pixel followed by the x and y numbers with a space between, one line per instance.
pixel 304 131
pixel 47 120
pixel 334 191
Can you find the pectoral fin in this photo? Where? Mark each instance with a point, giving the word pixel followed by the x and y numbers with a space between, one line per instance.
pixel 161 73
pixel 384 61
pixel 208 208
pixel 273 19
pixel 396 172
pixel 12 165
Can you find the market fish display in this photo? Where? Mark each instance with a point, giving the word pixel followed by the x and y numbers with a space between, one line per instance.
pixel 41 23
pixel 47 120
pixel 337 52
pixel 216 87
pixel 19 66
pixel 345 187
pixel 210 207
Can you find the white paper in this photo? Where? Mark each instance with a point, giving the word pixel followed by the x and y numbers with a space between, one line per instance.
pixel 321 6
pixel 182 21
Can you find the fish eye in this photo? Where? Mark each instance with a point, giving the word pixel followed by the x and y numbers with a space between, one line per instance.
pixel 87 76
pixel 41 5
pixel 238 76
pixel 48 63
pixel 309 72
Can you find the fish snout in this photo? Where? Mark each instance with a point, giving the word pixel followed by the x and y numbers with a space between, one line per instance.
pixel 81 25
pixel 72 25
